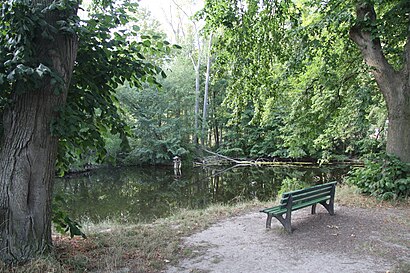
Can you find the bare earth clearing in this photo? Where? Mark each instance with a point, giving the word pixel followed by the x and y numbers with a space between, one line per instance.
pixel 354 240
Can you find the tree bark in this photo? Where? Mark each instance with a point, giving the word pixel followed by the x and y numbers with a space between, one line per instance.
pixel 29 151
pixel 394 85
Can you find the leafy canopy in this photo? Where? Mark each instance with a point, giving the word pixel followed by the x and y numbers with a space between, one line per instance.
pixel 294 60
pixel 111 51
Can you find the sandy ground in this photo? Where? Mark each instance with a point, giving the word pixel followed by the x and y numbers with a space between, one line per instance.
pixel 353 240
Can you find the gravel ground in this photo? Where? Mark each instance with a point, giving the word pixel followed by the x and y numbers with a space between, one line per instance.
pixel 353 240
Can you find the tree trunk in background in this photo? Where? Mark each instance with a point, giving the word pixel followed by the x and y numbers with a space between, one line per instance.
pixel 196 125
pixel 216 135
pixel 28 154
pixel 394 85
pixel 197 68
pixel 205 107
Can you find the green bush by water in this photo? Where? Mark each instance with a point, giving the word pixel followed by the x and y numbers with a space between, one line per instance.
pixel 383 176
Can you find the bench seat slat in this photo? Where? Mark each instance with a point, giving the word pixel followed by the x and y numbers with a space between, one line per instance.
pixel 274 210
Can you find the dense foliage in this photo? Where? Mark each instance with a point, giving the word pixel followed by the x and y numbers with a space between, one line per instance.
pixel 105 60
pixel 295 73
pixel 286 82
pixel 289 79
pixel 383 176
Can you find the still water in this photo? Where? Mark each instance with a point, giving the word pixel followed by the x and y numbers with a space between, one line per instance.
pixel 144 194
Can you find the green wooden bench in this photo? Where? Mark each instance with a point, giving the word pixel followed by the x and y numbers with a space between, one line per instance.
pixel 321 194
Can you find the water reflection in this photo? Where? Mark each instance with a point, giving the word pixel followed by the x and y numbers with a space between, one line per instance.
pixel 143 194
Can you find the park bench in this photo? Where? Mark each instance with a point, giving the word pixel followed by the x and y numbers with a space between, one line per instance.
pixel 321 194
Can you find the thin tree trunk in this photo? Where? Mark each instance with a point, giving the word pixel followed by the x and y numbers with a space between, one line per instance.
pixel 197 68
pixel 216 135
pixel 205 107
pixel 196 113
pixel 394 85
pixel 28 154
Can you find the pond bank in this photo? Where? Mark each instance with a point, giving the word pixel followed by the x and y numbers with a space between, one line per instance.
pixel 175 243
pixel 134 195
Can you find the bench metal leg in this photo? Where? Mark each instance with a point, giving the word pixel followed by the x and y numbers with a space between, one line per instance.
pixel 269 221
pixel 329 207
pixel 314 209
pixel 286 222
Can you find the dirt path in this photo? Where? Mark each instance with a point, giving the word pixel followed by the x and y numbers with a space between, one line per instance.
pixel 354 240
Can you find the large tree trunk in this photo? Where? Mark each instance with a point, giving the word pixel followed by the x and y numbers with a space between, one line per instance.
pixel 394 85
pixel 28 154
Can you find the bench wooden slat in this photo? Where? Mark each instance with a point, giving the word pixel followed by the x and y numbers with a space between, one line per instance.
pixel 274 210
pixel 307 198
pixel 316 191
pixel 309 203
pixel 317 187
pixel 303 196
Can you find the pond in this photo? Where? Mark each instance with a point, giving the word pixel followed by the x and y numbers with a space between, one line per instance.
pixel 135 194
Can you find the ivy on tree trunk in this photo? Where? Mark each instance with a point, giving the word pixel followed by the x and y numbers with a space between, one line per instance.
pixel 29 150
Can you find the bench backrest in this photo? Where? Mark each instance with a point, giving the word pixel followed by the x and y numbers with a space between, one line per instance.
pixel 308 194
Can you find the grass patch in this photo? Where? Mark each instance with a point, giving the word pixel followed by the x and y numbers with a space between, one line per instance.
pixel 45 264
pixel 347 195
pixel 113 247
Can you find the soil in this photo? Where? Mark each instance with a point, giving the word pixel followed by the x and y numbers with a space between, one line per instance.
pixel 353 240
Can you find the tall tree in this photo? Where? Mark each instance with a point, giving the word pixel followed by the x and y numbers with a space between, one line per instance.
pixel 58 79
pixel 207 79
pixel 393 82
pixel 42 55
pixel 195 50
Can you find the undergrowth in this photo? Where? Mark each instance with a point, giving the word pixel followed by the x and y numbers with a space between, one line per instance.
pixel 383 176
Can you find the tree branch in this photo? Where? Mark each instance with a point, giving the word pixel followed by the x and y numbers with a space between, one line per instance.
pixel 224 157
pixel 370 46
pixel 363 34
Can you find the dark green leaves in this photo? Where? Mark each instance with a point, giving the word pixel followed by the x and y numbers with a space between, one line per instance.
pixel 21 27
pixel 106 59
pixel 383 176
pixel 62 222
pixel 292 65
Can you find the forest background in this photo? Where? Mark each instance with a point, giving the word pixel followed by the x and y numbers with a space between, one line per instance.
pixel 253 79
pixel 312 80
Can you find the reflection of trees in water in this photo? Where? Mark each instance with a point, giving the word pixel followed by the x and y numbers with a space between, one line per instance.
pixel 264 183
pixel 143 194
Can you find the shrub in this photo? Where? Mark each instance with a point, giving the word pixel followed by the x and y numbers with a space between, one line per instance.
pixel 383 176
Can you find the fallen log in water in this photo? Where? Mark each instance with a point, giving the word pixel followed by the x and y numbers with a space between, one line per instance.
pixel 218 160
